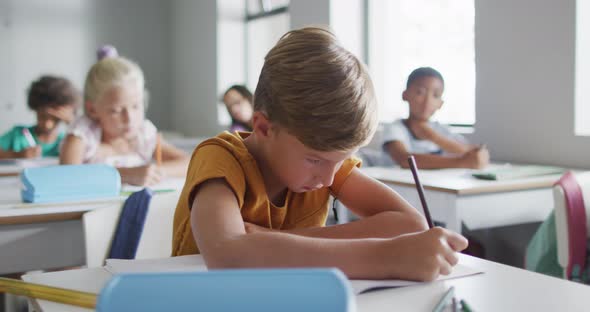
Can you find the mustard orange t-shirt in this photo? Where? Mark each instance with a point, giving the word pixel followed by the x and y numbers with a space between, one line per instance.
pixel 225 156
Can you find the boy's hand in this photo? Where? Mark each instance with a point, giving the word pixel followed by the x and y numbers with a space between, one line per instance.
pixel 476 158
pixel 144 175
pixel 422 130
pixel 31 152
pixel 64 113
pixel 425 255
pixel 253 228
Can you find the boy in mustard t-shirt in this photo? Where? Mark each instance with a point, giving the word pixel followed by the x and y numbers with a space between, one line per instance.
pixel 260 199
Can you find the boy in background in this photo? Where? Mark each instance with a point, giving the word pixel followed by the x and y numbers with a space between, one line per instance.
pixel 54 100
pixel 433 145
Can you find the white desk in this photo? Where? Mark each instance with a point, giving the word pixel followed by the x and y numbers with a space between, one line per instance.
pixel 454 197
pixel 50 236
pixel 500 288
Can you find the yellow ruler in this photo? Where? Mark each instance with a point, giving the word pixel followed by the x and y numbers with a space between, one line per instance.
pixel 56 294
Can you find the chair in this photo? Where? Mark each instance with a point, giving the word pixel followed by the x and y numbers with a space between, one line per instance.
pixel 571 223
pixel 155 241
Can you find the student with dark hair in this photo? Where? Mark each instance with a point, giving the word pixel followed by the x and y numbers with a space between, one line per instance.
pixel 433 144
pixel 54 100
pixel 238 101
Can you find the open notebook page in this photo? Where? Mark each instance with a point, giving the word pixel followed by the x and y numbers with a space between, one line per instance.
pixel 195 263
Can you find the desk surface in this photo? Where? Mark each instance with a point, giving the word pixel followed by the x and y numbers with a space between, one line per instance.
pixel 500 288
pixel 457 181
pixel 13 211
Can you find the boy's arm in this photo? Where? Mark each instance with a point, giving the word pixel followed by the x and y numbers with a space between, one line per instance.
pixel 449 145
pixel 218 229
pixel 475 158
pixel 424 131
pixel 384 213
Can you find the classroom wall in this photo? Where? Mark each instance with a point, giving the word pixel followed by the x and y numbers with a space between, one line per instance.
pixel 525 82
pixel 194 67
pixel 140 29
pixel 60 37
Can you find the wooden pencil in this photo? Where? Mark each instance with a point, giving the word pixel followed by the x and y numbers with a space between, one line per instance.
pixel 55 294
pixel 159 150
pixel 414 168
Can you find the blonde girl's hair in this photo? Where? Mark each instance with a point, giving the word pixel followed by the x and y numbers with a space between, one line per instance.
pixel 110 72
pixel 318 91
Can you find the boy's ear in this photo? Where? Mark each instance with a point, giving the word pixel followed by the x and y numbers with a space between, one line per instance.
pixel 260 124
pixel 405 95
pixel 89 109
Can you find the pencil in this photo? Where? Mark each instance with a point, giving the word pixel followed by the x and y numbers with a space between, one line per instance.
pixel 29 137
pixel 444 300
pixel 55 294
pixel 159 150
pixel 414 168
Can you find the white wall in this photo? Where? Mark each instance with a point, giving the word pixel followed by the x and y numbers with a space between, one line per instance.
pixel 60 37
pixel 194 67
pixel 140 29
pixel 525 82
pixel 39 37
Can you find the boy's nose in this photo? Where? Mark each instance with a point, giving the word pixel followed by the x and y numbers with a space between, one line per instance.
pixel 326 177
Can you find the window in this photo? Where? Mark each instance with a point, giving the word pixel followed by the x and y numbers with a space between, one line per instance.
pixel 407 34
pixel 266 22
pixel 247 31
pixel 582 75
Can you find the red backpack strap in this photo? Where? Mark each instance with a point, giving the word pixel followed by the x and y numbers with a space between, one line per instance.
pixel 576 220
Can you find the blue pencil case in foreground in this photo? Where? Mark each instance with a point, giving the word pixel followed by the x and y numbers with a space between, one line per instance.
pixel 261 290
pixel 69 183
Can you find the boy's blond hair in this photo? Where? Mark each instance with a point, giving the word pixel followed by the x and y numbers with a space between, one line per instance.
pixel 109 72
pixel 318 91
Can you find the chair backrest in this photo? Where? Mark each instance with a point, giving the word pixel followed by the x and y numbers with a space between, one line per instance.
pixel 287 290
pixel 130 225
pixel 101 224
pixel 572 208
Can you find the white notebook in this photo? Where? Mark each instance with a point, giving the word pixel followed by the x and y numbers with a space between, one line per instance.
pixel 195 263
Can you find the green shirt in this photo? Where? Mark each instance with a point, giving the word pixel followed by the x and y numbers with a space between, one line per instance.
pixel 14 140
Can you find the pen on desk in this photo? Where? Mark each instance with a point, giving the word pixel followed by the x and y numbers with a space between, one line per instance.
pixel 159 150
pixel 29 137
pixel 414 168
pixel 445 300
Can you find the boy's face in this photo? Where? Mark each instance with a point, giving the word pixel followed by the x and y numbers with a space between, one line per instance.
pixel 298 167
pixel 424 97
pixel 119 111
pixel 49 118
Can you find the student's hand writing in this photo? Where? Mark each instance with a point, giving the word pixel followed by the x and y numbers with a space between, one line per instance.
pixel 144 175
pixel 253 228
pixel 31 152
pixel 476 158
pixel 426 255
pixel 64 113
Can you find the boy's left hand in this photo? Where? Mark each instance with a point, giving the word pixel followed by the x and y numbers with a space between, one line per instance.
pixel 253 228
pixel 63 113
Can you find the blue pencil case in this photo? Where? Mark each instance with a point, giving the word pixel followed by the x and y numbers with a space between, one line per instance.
pixel 261 290
pixel 69 183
